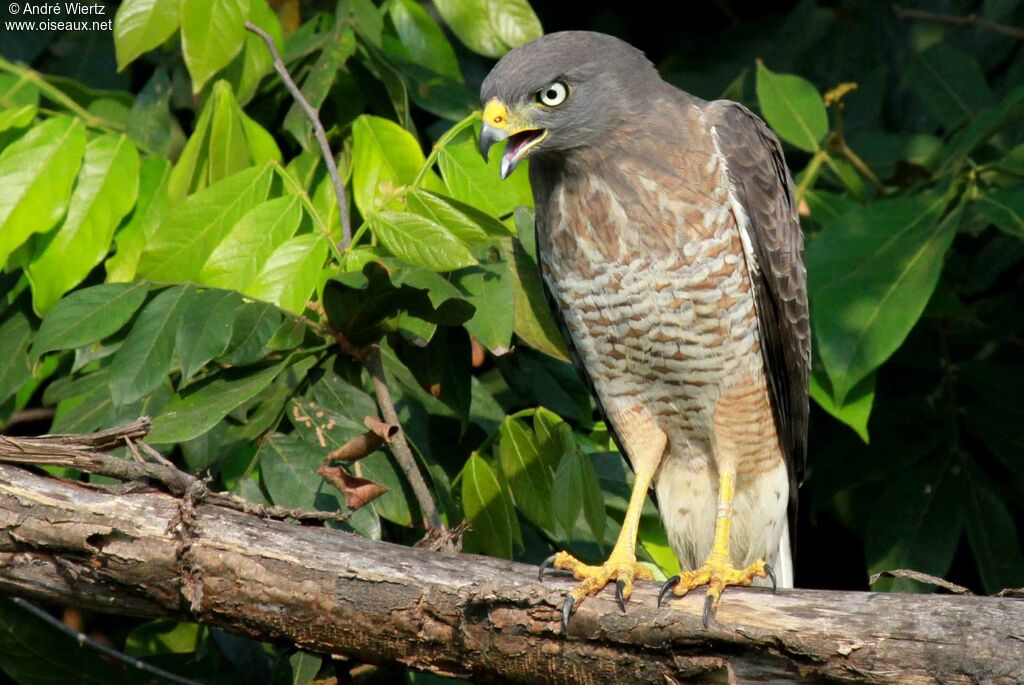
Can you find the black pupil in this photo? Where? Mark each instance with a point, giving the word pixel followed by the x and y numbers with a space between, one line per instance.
pixel 551 94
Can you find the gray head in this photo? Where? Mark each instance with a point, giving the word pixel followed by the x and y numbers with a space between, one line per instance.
pixel 563 91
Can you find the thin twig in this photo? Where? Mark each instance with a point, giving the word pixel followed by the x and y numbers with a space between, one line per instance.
pixel 81 452
pixel 969 21
pixel 318 130
pixel 86 641
pixel 30 415
pixel 921 578
pixel 399 445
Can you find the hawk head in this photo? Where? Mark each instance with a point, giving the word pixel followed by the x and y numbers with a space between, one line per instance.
pixel 563 91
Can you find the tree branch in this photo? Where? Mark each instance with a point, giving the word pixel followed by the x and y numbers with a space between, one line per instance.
pixel 318 131
pixel 468 616
pixel 969 21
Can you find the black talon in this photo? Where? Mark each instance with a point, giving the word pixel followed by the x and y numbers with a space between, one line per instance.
pixel 708 601
pixel 545 565
pixel 566 612
pixel 619 586
pixel 771 574
pixel 666 586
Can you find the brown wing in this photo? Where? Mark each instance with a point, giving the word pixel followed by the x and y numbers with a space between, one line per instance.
pixel 764 189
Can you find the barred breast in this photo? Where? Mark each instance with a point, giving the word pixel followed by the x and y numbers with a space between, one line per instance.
pixel 657 300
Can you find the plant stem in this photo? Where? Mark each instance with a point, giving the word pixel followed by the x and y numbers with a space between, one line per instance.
pixel 399 445
pixel 56 95
pixel 318 131
pixel 441 143
pixel 810 174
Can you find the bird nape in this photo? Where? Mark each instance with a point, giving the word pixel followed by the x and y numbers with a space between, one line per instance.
pixel 672 257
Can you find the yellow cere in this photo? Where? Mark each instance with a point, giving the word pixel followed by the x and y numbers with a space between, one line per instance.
pixel 496 114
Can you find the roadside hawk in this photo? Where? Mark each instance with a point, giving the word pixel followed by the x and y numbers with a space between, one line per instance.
pixel 671 250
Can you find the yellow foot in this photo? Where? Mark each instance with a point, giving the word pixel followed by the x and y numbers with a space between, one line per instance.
pixel 622 569
pixel 717 573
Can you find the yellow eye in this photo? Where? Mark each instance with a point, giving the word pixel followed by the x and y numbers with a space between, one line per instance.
pixel 553 94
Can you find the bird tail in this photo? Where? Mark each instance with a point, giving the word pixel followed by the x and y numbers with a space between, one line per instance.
pixel 784 565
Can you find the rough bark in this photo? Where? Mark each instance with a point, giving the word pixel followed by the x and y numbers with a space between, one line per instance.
pixel 144 552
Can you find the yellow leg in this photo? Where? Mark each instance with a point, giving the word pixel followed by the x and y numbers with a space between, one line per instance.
pixel 646 445
pixel 718 571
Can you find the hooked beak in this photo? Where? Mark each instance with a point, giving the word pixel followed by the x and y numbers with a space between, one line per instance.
pixel 500 124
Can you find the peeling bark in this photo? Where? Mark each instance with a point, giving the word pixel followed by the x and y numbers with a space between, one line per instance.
pixel 143 552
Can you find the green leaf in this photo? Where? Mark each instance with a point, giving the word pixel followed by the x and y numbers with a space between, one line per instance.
pixel 15 337
pixel 870 275
pixel 527 474
pixel 107 186
pixel 991 390
pixel 467 224
pixel 202 405
pixel 420 241
pixel 576 492
pixel 149 210
pixel 855 411
pixel 534 323
pixel 304 667
pixel 17 117
pixel 288 470
pixel 144 359
pixel 916 523
pixel 241 254
pixel 385 157
pixel 190 233
pixel 478 183
pixel 255 323
pixel 423 39
pixel 364 305
pixel 26 642
pixel 992 534
pixel 149 124
pixel 793 108
pixel 36 173
pixel 212 33
pixel 979 129
pixel 883 150
pixel 542 380
pixel 1005 209
pixel 205 330
pixel 163 637
pixel 141 25
pixel 949 83
pixel 328 69
pixel 255 62
pixel 488 508
pixel 290 274
pixel 490 27
pixel 228 149
pixel 88 315
pixel 488 287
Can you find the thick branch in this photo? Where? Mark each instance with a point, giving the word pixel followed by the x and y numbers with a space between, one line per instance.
pixel 464 615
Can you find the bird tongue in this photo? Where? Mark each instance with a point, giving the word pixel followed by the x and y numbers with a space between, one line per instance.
pixel 517 145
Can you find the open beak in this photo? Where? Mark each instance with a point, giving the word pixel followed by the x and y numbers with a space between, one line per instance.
pixel 500 124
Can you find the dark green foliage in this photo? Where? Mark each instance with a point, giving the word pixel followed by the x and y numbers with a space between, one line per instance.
pixel 176 251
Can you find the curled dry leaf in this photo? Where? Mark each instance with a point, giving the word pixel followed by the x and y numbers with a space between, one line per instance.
pixel 358 491
pixel 358 447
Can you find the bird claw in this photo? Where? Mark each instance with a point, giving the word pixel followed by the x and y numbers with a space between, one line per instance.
pixel 709 603
pixel 771 574
pixel 547 569
pixel 570 602
pixel 665 587
pixel 620 585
